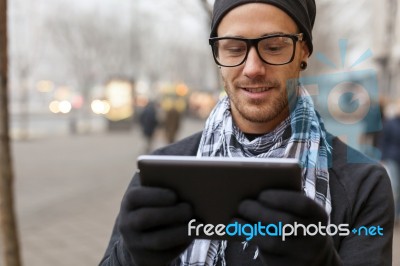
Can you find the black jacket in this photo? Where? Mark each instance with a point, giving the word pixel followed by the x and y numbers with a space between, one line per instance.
pixel 361 196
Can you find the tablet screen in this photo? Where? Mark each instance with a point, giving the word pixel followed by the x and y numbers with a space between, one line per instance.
pixel 214 186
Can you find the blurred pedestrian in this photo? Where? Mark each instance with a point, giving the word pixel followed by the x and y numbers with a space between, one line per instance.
pixel 373 129
pixel 390 147
pixel 149 123
pixel 172 124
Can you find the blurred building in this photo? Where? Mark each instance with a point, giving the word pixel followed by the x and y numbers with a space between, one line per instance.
pixel 354 65
pixel 44 34
pixel 395 66
pixel 120 104
pixel 364 24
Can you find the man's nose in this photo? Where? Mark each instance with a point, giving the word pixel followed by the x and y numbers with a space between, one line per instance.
pixel 253 66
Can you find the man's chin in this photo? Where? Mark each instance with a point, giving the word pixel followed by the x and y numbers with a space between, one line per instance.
pixel 259 116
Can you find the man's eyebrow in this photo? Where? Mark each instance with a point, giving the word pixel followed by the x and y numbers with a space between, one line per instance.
pixel 274 33
pixel 264 35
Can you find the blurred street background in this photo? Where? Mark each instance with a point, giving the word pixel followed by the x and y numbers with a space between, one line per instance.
pixel 69 189
pixel 88 77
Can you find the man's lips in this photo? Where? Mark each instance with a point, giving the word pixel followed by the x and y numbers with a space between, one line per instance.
pixel 256 89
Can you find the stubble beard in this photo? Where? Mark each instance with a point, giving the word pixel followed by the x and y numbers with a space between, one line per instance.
pixel 258 111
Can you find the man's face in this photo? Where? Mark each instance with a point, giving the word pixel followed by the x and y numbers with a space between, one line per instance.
pixel 257 91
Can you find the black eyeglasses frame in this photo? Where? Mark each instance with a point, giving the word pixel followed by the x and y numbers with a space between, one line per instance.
pixel 254 43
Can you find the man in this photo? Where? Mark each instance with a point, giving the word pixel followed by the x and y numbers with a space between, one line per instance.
pixel 261 47
pixel 172 123
pixel 149 122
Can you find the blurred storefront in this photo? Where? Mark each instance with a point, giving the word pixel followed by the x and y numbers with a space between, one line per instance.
pixel 118 104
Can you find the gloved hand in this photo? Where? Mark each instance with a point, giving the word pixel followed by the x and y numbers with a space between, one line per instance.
pixel 275 206
pixel 153 225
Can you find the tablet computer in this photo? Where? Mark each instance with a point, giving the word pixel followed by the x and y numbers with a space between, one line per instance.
pixel 214 186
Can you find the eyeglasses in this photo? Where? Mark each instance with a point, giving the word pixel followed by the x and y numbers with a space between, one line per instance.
pixel 276 49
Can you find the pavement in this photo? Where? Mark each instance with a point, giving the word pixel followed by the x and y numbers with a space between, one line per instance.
pixel 68 190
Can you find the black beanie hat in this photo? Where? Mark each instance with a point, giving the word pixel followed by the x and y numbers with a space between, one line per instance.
pixel 301 11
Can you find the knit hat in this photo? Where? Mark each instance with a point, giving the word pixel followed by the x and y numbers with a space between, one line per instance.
pixel 301 11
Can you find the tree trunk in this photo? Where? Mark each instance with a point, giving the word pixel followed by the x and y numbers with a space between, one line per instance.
pixel 7 216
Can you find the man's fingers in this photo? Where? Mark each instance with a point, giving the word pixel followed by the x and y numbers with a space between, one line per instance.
pixel 138 197
pixel 147 218
pixel 294 203
pixel 163 239
pixel 255 212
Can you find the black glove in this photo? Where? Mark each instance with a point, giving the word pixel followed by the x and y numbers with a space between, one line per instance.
pixel 153 225
pixel 275 206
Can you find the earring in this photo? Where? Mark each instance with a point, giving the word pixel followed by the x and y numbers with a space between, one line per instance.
pixel 303 65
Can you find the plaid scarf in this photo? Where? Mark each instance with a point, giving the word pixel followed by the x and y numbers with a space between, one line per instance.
pixel 302 135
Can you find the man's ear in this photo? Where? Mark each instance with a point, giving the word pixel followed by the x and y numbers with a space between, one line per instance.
pixel 305 51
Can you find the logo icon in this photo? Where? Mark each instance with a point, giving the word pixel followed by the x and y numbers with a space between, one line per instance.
pixel 348 101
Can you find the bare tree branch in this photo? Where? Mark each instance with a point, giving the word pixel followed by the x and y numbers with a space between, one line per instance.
pixel 207 7
pixel 93 49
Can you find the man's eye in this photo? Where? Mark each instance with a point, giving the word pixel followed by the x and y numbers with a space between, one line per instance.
pixel 236 49
pixel 273 48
